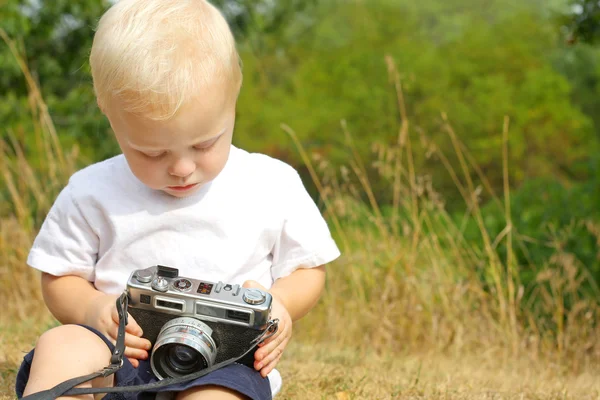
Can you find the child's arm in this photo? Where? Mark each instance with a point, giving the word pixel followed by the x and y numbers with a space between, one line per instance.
pixel 61 293
pixel 74 300
pixel 293 297
pixel 300 291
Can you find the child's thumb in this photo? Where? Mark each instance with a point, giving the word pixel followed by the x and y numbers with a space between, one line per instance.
pixel 250 284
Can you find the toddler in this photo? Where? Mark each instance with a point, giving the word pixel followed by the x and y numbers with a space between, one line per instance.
pixel 167 75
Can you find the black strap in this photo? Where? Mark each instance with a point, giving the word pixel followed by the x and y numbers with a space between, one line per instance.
pixel 68 387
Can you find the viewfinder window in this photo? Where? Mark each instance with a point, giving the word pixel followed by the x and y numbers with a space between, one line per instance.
pixel 169 304
pixel 241 316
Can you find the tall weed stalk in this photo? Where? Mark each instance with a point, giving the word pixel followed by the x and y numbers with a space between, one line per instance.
pixel 27 188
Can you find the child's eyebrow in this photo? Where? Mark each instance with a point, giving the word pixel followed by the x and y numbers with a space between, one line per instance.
pixel 151 148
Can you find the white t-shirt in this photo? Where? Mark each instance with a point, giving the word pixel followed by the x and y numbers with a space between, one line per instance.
pixel 255 220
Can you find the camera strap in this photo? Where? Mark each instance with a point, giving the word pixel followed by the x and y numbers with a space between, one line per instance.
pixel 67 388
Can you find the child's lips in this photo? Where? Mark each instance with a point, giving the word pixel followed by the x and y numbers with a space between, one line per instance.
pixel 182 188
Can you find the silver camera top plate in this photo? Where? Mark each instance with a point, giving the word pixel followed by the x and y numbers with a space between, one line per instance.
pixel 161 289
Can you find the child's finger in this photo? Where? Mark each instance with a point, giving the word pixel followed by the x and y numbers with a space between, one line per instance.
pixel 138 354
pixel 137 342
pixel 130 340
pixel 135 348
pixel 272 353
pixel 131 327
pixel 134 362
pixel 282 328
pixel 269 367
pixel 134 329
pixel 271 344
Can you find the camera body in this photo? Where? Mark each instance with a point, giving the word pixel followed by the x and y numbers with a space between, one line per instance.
pixel 194 324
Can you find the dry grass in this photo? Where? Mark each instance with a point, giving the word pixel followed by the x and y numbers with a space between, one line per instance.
pixel 331 372
pixel 341 375
pixel 412 309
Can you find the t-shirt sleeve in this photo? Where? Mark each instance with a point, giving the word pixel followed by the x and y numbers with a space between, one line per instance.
pixel 65 244
pixel 305 240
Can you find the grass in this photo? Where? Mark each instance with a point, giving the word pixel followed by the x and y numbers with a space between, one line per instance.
pixel 411 310
pixel 321 371
pixel 350 375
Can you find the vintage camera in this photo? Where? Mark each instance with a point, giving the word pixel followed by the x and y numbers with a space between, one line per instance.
pixel 195 324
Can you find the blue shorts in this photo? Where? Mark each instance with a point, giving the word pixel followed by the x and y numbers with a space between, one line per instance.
pixel 235 376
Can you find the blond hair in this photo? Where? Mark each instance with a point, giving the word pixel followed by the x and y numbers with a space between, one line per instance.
pixel 155 56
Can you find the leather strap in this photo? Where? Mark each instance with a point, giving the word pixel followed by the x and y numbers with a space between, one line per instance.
pixel 67 388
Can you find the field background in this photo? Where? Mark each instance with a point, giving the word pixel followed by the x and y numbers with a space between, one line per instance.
pixel 452 145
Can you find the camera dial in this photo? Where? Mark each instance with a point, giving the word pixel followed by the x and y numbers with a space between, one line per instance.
pixel 143 275
pixel 182 284
pixel 254 296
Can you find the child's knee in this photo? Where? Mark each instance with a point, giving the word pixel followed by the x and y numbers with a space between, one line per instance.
pixel 66 352
pixel 73 340
pixel 210 392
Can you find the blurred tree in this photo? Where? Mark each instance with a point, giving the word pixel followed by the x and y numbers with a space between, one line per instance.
pixel 582 20
pixel 468 59
pixel 261 17
pixel 579 59
pixel 54 38
pixel 311 64
pixel 580 64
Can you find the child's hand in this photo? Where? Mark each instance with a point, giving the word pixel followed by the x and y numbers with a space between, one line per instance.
pixel 102 315
pixel 270 351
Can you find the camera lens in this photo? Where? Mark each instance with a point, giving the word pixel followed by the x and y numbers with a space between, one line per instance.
pixel 183 346
pixel 183 354
pixel 182 358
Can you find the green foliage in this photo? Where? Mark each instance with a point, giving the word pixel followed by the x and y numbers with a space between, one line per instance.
pixel 311 64
pixel 260 18
pixel 583 21
pixel 470 62
pixel 54 39
pixel 549 219
pixel 580 64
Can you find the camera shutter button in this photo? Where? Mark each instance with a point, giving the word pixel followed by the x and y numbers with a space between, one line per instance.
pixel 160 284
pixel 253 296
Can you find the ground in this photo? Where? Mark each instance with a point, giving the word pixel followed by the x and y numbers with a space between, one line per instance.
pixel 318 371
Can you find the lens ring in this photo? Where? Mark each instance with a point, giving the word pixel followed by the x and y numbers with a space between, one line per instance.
pixel 183 346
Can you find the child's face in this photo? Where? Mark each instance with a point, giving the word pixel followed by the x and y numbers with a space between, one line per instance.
pixel 180 155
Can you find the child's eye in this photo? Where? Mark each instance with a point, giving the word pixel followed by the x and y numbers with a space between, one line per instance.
pixel 155 155
pixel 205 147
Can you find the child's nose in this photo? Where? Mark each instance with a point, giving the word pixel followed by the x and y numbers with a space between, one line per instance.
pixel 182 167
